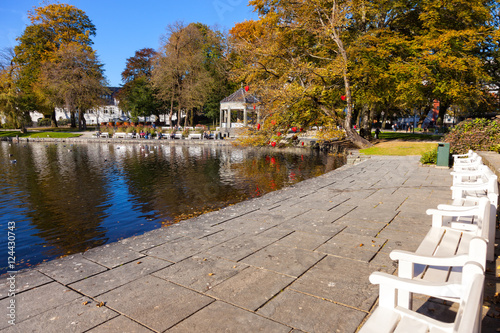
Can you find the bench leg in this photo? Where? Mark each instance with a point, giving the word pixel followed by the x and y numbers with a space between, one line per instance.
pixel 405 298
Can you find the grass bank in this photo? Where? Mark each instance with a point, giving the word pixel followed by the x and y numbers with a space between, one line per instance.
pixel 400 148
pixel 39 134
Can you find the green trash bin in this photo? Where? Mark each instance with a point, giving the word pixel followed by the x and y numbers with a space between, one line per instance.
pixel 443 155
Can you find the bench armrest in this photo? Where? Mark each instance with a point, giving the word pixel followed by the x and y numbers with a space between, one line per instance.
pixel 453 207
pixel 472 210
pixel 433 289
pixel 470 187
pixel 458 260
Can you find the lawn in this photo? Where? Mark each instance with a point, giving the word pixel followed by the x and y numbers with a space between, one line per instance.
pixel 409 136
pixel 38 134
pixel 399 148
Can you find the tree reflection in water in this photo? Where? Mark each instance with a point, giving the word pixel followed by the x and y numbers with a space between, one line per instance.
pixel 68 198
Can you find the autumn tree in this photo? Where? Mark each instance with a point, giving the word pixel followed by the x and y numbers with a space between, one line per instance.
pixel 73 79
pixel 302 56
pixel 52 26
pixel 296 58
pixel 188 68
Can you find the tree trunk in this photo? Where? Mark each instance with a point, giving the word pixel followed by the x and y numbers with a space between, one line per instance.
pixel 73 119
pixel 186 119
pixel 171 111
pixel 352 135
pixel 80 121
pixel 443 107
pixel 366 126
pixel 53 119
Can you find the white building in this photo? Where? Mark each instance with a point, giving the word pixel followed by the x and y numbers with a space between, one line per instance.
pixel 110 112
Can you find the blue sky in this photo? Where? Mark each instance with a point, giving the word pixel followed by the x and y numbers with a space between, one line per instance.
pixel 125 26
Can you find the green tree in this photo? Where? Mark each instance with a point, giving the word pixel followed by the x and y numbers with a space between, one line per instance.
pixel 137 94
pixel 11 100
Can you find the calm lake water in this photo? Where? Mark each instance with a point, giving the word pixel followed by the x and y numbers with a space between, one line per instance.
pixel 67 198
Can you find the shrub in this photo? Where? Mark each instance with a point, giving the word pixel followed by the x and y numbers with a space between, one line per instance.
pixel 475 134
pixel 44 122
pixel 429 157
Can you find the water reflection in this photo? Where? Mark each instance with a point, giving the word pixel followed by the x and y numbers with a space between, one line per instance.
pixel 68 198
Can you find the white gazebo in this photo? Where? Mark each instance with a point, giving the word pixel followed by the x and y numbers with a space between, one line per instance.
pixel 235 109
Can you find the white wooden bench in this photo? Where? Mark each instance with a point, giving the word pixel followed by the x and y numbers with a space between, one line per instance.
pixel 120 135
pixel 390 317
pixel 198 136
pixel 468 185
pixel 454 238
pixel 470 166
pixel 469 154
pixel 178 136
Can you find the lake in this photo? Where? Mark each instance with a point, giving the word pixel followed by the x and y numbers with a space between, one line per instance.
pixel 66 198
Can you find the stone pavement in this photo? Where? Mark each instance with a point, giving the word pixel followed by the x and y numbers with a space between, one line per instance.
pixel 295 260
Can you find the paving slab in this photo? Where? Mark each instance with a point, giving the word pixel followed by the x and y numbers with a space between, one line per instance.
pixel 112 255
pixel 25 280
pixel 223 317
pixel 30 303
pixel 321 228
pixel 120 324
pixel 154 303
pixel 179 249
pixel 284 259
pixel 70 269
pixel 77 316
pixel 340 280
pixel 303 240
pixel 108 280
pixel 360 227
pixel 312 314
pixel 201 273
pixel 400 240
pixel 348 245
pixel 251 288
pixel 240 247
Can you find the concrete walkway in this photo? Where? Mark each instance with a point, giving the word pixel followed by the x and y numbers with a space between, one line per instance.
pixel 295 260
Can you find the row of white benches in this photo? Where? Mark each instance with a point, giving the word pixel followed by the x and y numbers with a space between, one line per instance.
pixel 123 135
pixel 450 262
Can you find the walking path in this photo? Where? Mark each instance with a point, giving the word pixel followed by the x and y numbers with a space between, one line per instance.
pixel 295 260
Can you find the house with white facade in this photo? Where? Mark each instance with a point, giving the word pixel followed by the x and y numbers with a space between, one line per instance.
pixel 109 112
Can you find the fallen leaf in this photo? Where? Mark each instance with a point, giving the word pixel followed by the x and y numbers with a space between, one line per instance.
pixel 210 274
pixel 100 304
pixel 85 303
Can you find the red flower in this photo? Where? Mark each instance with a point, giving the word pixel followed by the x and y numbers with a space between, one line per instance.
pixel 342 97
pixel 294 129
pixel 246 88
pixel 301 129
pixel 279 133
pixel 273 144
pixel 302 142
pixel 258 126
pixel 273 122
